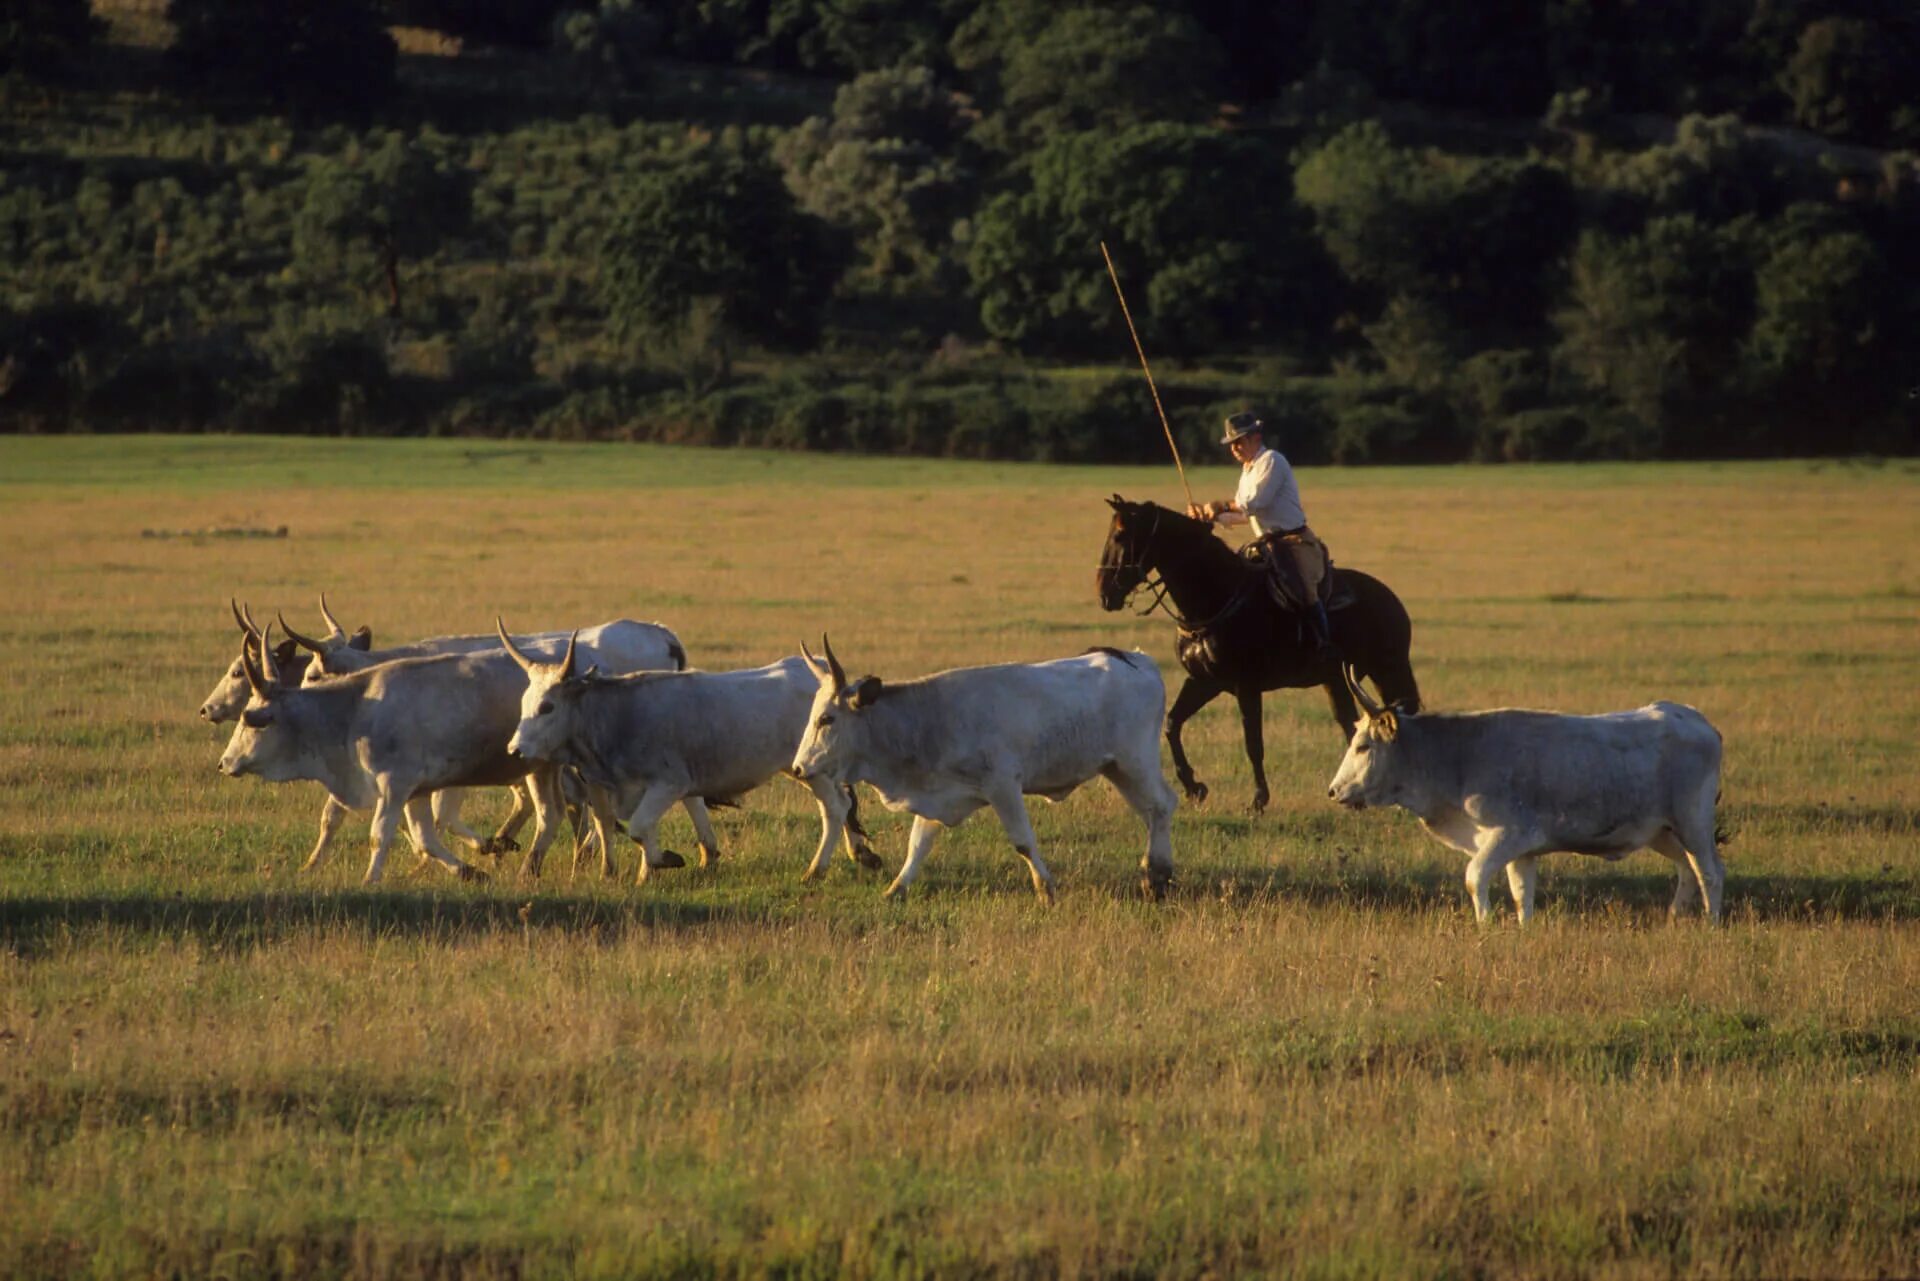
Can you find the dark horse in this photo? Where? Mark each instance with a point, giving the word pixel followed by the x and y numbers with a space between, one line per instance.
pixel 1234 637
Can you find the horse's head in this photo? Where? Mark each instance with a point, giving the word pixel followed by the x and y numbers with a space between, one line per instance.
pixel 1130 553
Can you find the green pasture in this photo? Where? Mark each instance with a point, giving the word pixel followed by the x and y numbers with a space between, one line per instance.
pixel 1308 1061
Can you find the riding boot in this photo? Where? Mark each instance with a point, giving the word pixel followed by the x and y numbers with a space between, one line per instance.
pixel 1322 629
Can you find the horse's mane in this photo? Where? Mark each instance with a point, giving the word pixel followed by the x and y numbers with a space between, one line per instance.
pixel 1194 531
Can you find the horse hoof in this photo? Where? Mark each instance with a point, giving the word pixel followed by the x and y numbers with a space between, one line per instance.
pixel 1197 793
pixel 1260 803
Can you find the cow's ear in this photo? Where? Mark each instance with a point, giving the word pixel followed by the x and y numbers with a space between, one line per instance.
pixel 257 717
pixel 362 639
pixel 1386 726
pixel 863 692
pixel 285 652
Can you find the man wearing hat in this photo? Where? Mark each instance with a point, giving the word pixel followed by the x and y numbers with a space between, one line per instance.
pixel 1269 499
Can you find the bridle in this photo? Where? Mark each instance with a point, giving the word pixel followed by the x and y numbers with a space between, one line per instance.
pixel 1152 580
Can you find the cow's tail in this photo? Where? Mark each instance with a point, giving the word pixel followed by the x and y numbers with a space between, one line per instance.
pixel 1120 654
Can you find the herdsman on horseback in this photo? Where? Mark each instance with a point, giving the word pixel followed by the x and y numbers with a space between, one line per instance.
pixel 1269 499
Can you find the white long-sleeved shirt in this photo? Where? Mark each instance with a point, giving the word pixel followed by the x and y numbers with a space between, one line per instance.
pixel 1268 496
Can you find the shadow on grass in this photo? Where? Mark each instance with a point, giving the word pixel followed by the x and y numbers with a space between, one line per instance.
pixel 32 924
pixel 1757 898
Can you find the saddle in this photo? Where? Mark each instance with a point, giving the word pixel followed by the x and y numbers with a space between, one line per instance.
pixel 1334 591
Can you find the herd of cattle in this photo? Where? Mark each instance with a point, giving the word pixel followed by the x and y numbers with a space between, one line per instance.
pixel 608 725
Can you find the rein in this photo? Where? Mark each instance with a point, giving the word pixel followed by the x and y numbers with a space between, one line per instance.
pixel 1154 581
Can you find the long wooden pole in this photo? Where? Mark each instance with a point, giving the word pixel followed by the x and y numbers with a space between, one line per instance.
pixel 1115 277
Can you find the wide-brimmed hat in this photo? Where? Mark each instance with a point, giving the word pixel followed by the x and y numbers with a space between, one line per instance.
pixel 1244 423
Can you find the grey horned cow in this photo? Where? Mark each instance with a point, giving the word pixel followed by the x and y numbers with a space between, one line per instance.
pixel 1506 786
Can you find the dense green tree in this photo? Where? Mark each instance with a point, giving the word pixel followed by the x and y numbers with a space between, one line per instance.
pixel 1202 229
pixel 1094 67
pixel 43 38
pixel 1853 78
pixel 611 42
pixel 1485 54
pixel 1476 238
pixel 715 232
pixel 395 200
pixel 307 57
pixel 1654 321
pixel 1714 168
pixel 879 167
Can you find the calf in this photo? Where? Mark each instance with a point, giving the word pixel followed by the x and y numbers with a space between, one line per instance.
pixel 646 740
pixel 945 745
pixel 1505 787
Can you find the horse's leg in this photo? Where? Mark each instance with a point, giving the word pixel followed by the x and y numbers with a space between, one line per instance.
pixel 1250 725
pixel 1193 696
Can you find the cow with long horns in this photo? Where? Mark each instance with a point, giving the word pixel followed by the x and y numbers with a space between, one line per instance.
pixel 945 745
pixel 387 738
pixel 644 741
pixel 1504 787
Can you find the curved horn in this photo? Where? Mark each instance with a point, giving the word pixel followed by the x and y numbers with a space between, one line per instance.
pixel 566 664
pixel 267 667
pixel 518 655
pixel 816 665
pixel 833 664
pixel 247 610
pixel 304 642
pixel 255 681
pixel 1367 705
pixel 240 618
pixel 334 630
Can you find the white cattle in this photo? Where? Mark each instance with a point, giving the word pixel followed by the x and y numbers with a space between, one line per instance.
pixel 945 745
pixel 644 741
pixel 1507 786
pixel 230 696
pixel 621 645
pixel 387 738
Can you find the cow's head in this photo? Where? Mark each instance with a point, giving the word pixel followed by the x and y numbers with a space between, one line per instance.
pixel 1370 772
pixel 547 708
pixel 231 691
pixel 262 744
pixel 335 653
pixel 835 734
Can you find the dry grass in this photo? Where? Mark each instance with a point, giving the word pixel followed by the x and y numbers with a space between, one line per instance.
pixel 1309 1061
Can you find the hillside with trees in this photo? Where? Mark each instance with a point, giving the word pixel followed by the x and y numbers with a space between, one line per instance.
pixel 1406 230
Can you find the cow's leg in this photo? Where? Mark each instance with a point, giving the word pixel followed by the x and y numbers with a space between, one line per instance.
pixel 702 829
pixel 1147 792
pixel 419 812
pixel 1522 875
pixel 644 821
pixel 503 839
pixel 386 822
pixel 1011 806
pixel 1695 830
pixel 1693 877
pixel 446 805
pixel 919 841
pixel 1194 694
pixel 856 836
pixel 1250 727
pixel 330 816
pixel 832 800
pixel 543 789
pixel 1495 849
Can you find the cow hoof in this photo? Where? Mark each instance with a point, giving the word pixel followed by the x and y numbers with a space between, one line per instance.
pixel 868 859
pixel 668 858
pixel 468 872
pixel 1155 888
pixel 708 857
pixel 497 845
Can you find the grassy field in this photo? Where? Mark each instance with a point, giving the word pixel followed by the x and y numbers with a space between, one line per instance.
pixel 1308 1061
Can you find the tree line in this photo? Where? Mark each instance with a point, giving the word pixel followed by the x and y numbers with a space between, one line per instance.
pixel 1404 229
